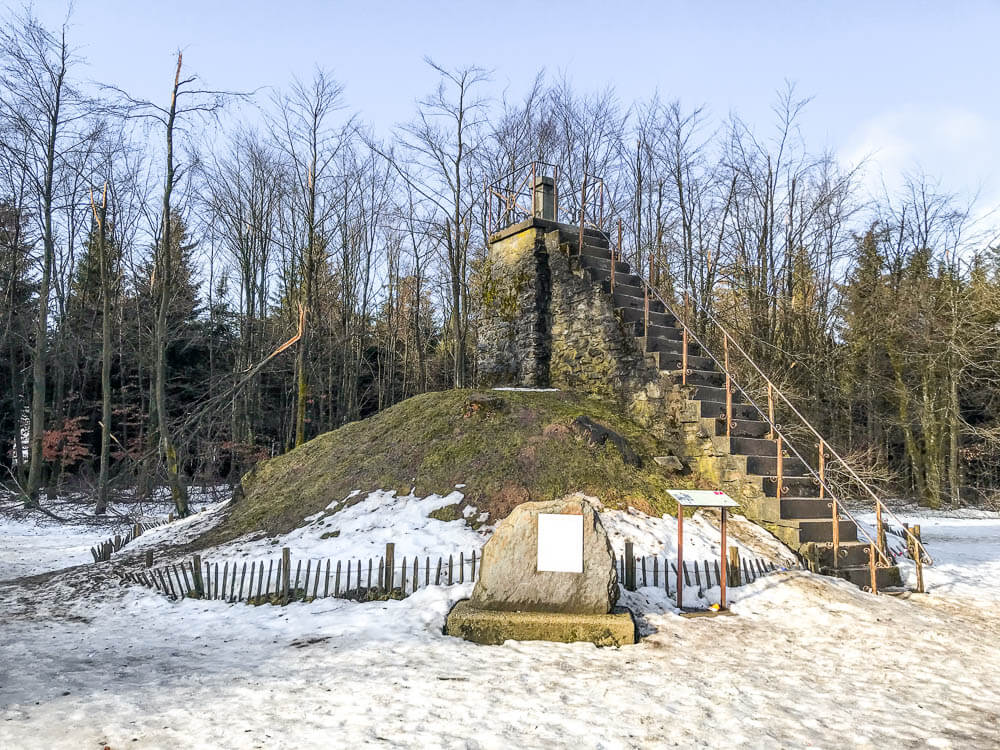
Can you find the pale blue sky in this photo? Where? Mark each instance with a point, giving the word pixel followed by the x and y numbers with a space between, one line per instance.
pixel 914 82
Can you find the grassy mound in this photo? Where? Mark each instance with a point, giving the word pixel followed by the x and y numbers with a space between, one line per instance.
pixel 505 447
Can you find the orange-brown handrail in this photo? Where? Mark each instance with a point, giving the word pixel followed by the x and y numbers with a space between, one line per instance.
pixel 876 550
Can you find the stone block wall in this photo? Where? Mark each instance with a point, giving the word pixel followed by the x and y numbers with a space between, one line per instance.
pixel 549 325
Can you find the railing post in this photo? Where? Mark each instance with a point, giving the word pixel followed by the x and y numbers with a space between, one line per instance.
pixel 835 534
pixel 555 193
pixel 871 568
pixel 780 471
pixel 645 315
pixel 534 208
pixel 770 410
pixel 729 385
pixel 684 343
pixel 583 214
pixel 620 251
pixel 822 472
pixel 918 557
pixel 600 221
pixel 489 205
pixel 880 531
pixel 612 270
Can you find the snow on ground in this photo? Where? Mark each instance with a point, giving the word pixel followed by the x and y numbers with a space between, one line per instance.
pixel 361 531
pixel 965 545
pixel 806 661
pixel 657 537
pixel 34 544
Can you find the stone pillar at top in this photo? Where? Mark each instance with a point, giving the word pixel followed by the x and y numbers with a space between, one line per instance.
pixel 543 198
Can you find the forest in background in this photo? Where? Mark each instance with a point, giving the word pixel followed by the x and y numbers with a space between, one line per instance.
pixel 190 285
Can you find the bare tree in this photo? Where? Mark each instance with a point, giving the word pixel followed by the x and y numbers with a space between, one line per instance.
pixel 186 101
pixel 439 153
pixel 311 141
pixel 49 116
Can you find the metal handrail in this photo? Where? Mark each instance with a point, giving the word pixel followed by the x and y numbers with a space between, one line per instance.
pixel 822 441
pixel 776 428
pixel 509 190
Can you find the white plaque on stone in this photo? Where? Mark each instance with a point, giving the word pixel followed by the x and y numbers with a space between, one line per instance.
pixel 560 543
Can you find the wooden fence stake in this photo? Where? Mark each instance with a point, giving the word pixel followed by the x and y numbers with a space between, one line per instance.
pixel 187 583
pixel 734 566
pixel 390 564
pixel 286 571
pixel 199 586
pixel 243 575
pixel 629 567
pixel 149 558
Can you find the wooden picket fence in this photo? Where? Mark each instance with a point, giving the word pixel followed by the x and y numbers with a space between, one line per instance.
pixel 634 572
pixel 285 580
pixel 102 552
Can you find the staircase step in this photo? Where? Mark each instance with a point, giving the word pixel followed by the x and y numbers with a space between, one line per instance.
pixel 625 281
pixel 711 378
pixel 802 531
pixel 592 262
pixel 717 410
pixel 638 315
pixel 667 333
pixel 861 576
pixel 638 303
pixel 800 486
pixel 754 428
pixel 773 510
pixel 707 393
pixel 852 554
pixel 591 250
pixel 656 343
pixel 768 466
pixel 746 446
pixel 630 295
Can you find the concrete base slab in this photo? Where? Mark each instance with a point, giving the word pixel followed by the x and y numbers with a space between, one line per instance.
pixel 492 627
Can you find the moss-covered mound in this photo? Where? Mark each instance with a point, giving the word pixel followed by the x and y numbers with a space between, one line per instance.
pixel 506 447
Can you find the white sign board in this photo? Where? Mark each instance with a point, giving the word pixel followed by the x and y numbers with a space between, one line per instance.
pixel 560 543
pixel 703 499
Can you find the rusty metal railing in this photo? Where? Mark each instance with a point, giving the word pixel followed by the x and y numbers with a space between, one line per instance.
pixel 878 553
pixel 514 197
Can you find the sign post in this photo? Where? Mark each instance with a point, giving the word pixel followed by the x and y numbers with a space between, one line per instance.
pixel 701 499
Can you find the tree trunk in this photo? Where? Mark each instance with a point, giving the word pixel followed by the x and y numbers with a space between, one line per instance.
pixel 102 480
pixel 164 271
pixel 41 324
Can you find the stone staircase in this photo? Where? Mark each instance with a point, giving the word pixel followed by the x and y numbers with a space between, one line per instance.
pixel 747 458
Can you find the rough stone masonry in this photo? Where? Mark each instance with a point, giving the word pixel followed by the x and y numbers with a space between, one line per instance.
pixel 515 600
